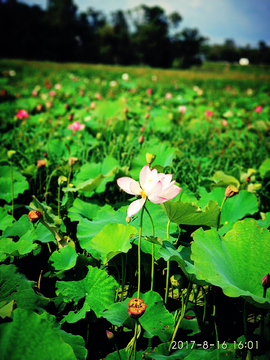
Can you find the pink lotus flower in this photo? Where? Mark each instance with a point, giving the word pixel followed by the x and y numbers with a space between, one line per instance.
pixel 149 91
pixel 182 109
pixel 76 126
pixel 52 93
pixel 208 113
pixel 22 114
pixel 258 109
pixel 158 188
pixel 168 96
pixel 224 122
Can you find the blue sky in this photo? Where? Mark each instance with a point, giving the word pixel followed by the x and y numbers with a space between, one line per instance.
pixel 245 21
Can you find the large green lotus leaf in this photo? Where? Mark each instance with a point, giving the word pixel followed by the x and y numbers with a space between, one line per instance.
pixel 97 289
pixel 113 239
pixel 77 344
pixel 57 148
pixel 266 222
pixel 124 355
pixel 42 234
pixel 156 320
pixel 159 219
pixel 20 184
pixel 235 208
pixel 87 229
pixel 29 336
pixel 87 186
pixel 190 214
pixel 64 259
pixel 169 253
pixel 264 169
pixel 237 262
pixel 8 247
pixel 104 171
pixel 164 157
pixel 82 209
pixel 19 228
pixel 109 109
pixel 5 219
pixel 15 286
pixel 223 180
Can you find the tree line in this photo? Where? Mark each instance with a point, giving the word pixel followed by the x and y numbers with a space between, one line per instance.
pixel 145 35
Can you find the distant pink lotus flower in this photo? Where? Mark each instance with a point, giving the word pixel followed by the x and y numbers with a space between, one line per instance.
pixel 158 188
pixel 208 113
pixel 168 96
pixel 224 122
pixel 76 126
pixel 22 114
pixel 258 109
pixel 149 91
pixel 182 109
pixel 52 93
pixel 34 92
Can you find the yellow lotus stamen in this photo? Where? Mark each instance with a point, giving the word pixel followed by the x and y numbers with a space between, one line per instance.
pixel 143 195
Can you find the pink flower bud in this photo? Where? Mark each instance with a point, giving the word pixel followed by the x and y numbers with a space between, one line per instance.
pixel 149 91
pixel 22 114
pixel 266 281
pixel 109 334
pixel 258 109
pixel 141 139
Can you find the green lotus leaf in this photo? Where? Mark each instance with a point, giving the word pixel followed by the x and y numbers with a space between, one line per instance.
pixel 223 180
pixel 164 157
pixel 264 169
pixel 265 222
pixel 8 247
pixel 190 214
pixel 28 334
pixel 169 253
pixel 124 355
pixel 97 289
pixel 235 208
pixel 57 148
pixel 82 209
pixel 95 176
pixel 156 321
pixel 64 259
pixel 20 184
pixel 48 216
pixel 15 286
pixel 5 219
pixel 237 262
pixel 113 239
pixel 87 229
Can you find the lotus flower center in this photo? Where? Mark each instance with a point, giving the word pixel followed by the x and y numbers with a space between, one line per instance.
pixel 143 195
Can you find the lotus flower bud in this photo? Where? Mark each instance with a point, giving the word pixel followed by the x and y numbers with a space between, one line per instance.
pixel 109 334
pixel 150 158
pixel 141 139
pixel 136 308
pixel 266 281
pixel 128 219
pixel 231 190
pixel 41 163
pixel 62 180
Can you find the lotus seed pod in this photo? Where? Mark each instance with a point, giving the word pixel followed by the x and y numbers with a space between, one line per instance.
pixel 136 308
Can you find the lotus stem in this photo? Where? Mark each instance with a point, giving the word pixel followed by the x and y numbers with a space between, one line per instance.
pixel 139 252
pixel 153 251
pixel 168 268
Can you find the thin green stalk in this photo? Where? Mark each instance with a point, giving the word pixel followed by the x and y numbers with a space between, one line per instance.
pixel 214 317
pixel 219 215
pixel 12 188
pixel 168 268
pixel 153 251
pixel 183 310
pixel 123 275
pixel 59 194
pixel 139 252
pixel 262 318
